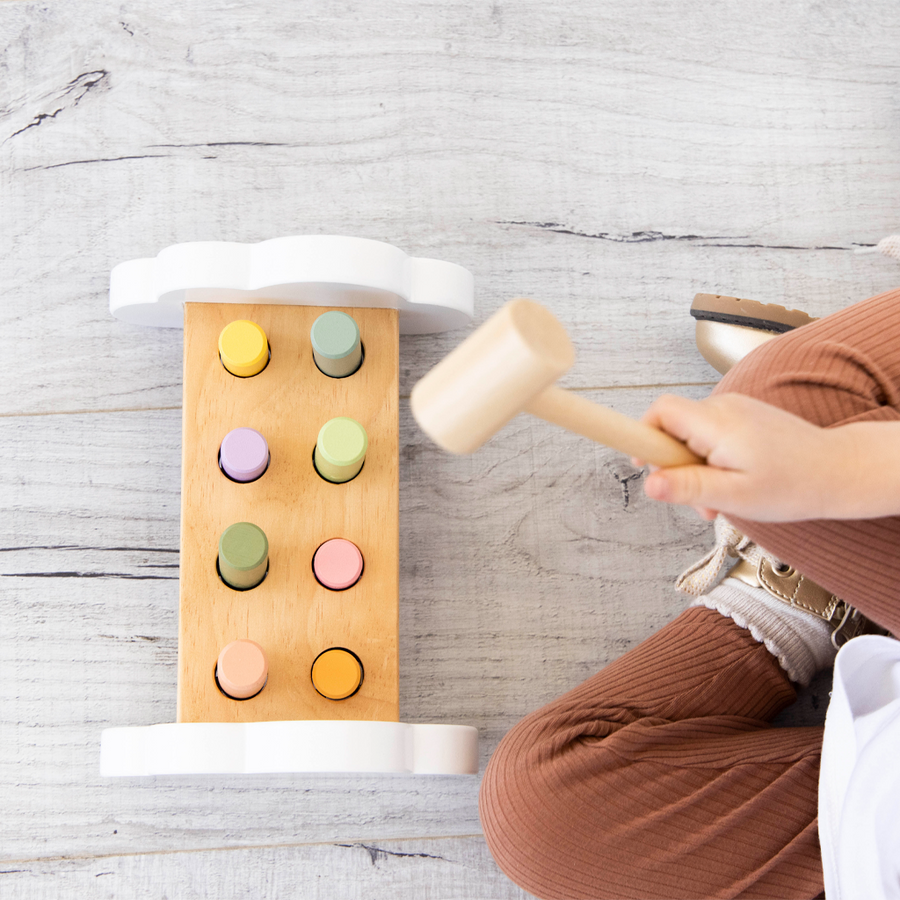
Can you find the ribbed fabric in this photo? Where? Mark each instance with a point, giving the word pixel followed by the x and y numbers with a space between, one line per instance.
pixel 660 777
pixel 801 642
pixel 843 368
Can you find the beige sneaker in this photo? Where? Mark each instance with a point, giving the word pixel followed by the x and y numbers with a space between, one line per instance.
pixel 759 569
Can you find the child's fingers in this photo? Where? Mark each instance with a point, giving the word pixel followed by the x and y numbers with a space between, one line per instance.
pixel 690 421
pixel 703 487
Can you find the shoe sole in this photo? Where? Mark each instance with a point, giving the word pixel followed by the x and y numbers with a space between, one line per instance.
pixel 748 313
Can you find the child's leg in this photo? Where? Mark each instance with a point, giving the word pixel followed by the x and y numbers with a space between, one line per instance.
pixel 843 368
pixel 660 777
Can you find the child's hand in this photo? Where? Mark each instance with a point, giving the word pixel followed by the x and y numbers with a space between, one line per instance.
pixel 763 463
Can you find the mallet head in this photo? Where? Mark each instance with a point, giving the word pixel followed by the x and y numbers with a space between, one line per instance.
pixel 492 376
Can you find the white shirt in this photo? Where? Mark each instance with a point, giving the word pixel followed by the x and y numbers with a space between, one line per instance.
pixel 859 782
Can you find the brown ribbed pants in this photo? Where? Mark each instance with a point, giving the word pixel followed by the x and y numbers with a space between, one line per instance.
pixel 660 777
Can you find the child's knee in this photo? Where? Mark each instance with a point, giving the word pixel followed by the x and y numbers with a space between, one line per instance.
pixel 541 818
pixel 514 805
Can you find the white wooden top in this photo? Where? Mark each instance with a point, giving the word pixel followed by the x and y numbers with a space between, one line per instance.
pixel 311 270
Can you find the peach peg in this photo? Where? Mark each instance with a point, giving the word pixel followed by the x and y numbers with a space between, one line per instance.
pixel 510 365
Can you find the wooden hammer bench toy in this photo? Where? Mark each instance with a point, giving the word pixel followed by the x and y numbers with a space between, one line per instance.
pixel 289 571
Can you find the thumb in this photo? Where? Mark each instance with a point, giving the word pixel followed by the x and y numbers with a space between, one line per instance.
pixel 703 486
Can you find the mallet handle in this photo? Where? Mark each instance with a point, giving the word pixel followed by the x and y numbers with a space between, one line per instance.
pixel 606 426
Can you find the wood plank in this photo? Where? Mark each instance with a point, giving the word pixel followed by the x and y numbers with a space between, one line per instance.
pixel 445 868
pixel 610 183
pixel 483 638
pixel 524 569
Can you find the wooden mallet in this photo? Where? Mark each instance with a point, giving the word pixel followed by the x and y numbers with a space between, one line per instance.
pixel 509 365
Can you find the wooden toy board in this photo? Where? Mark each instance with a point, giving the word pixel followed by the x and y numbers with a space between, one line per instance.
pixel 289 614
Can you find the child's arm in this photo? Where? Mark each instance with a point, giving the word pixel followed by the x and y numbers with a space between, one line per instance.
pixel 768 465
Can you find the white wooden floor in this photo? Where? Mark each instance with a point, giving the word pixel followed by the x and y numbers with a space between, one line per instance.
pixel 609 159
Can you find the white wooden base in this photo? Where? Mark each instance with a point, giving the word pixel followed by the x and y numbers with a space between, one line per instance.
pixel 217 748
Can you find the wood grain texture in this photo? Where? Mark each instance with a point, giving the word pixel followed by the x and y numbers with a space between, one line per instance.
pixel 524 569
pixel 289 614
pixel 609 160
pixel 610 163
pixel 441 868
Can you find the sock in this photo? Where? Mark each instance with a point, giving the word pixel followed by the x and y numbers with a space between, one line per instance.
pixel 799 640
